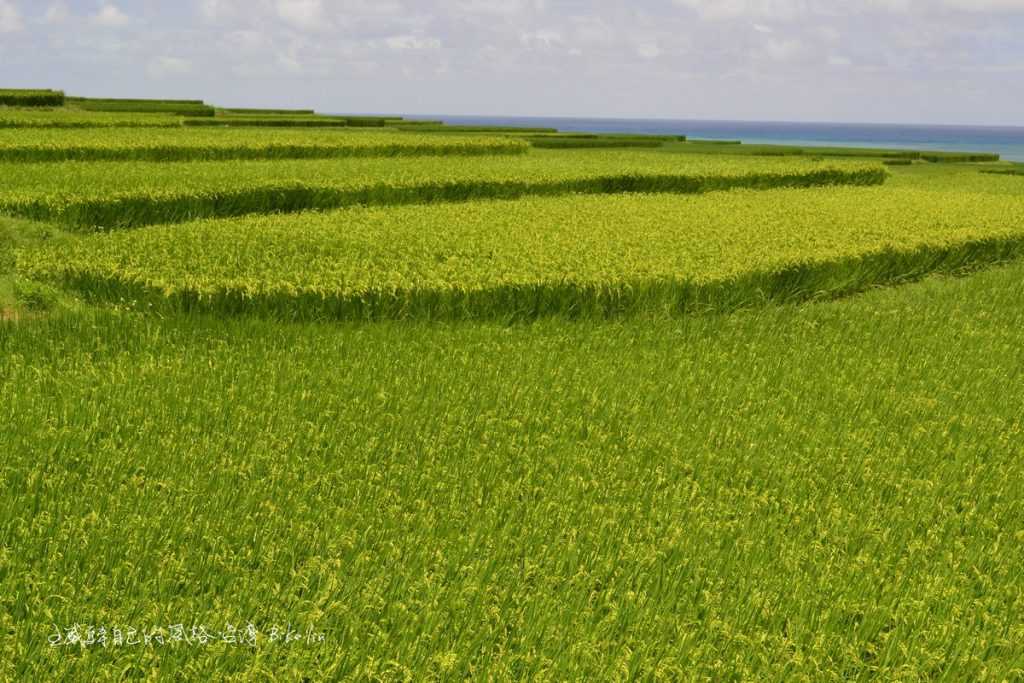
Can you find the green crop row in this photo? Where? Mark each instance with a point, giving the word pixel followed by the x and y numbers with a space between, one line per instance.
pixel 709 146
pixel 372 121
pixel 423 128
pixel 266 122
pixel 118 195
pixel 264 112
pixel 414 124
pixel 289 119
pixel 292 121
pixel 595 143
pixel 1016 171
pixel 574 256
pixel 611 136
pixel 599 140
pixel 828 493
pixel 953 178
pixel 178 107
pixel 133 100
pixel 70 118
pixel 13 97
pixel 196 144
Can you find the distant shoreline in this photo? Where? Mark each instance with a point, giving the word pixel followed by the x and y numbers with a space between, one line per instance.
pixel 1006 141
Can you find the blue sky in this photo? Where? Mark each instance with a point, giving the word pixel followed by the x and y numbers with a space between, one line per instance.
pixel 901 61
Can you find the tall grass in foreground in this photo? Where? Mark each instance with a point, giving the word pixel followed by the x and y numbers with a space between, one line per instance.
pixel 824 493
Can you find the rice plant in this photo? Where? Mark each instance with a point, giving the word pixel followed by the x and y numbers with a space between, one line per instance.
pixel 209 145
pixel 574 256
pixel 818 493
pixel 106 195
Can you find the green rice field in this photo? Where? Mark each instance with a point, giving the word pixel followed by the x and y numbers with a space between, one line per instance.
pixel 389 405
pixel 87 195
pixel 190 144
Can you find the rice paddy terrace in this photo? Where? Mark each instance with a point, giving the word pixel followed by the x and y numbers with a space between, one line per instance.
pixel 460 403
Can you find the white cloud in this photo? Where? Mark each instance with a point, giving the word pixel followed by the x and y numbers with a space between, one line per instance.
pixel 216 10
pixel 10 17
pixel 744 58
pixel 57 13
pixel 718 10
pixel 247 41
pixel 110 16
pixel 164 67
pixel 544 38
pixel 501 7
pixel 303 14
pixel 648 50
pixel 412 43
pixel 986 5
pixel 784 50
pixel 733 9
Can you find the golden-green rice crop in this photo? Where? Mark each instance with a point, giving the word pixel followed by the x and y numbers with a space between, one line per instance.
pixel 71 118
pixel 825 493
pixel 268 122
pixel 201 144
pixel 114 194
pixel 943 178
pixel 577 255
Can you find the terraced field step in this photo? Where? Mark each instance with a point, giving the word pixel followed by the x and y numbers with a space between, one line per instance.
pixel 201 144
pixel 73 118
pixel 88 196
pixel 572 256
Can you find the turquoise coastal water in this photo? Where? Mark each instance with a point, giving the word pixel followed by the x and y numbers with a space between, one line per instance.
pixel 1005 141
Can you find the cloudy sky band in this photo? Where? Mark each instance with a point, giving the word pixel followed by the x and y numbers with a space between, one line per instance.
pixel 900 61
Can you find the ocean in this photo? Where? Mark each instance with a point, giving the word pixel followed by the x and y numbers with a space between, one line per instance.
pixel 1005 141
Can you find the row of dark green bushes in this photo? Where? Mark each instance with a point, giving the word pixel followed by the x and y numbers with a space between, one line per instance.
pixel 267 112
pixel 601 140
pixel 14 97
pixel 271 122
pixel 176 107
pixel 896 156
pixel 442 128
